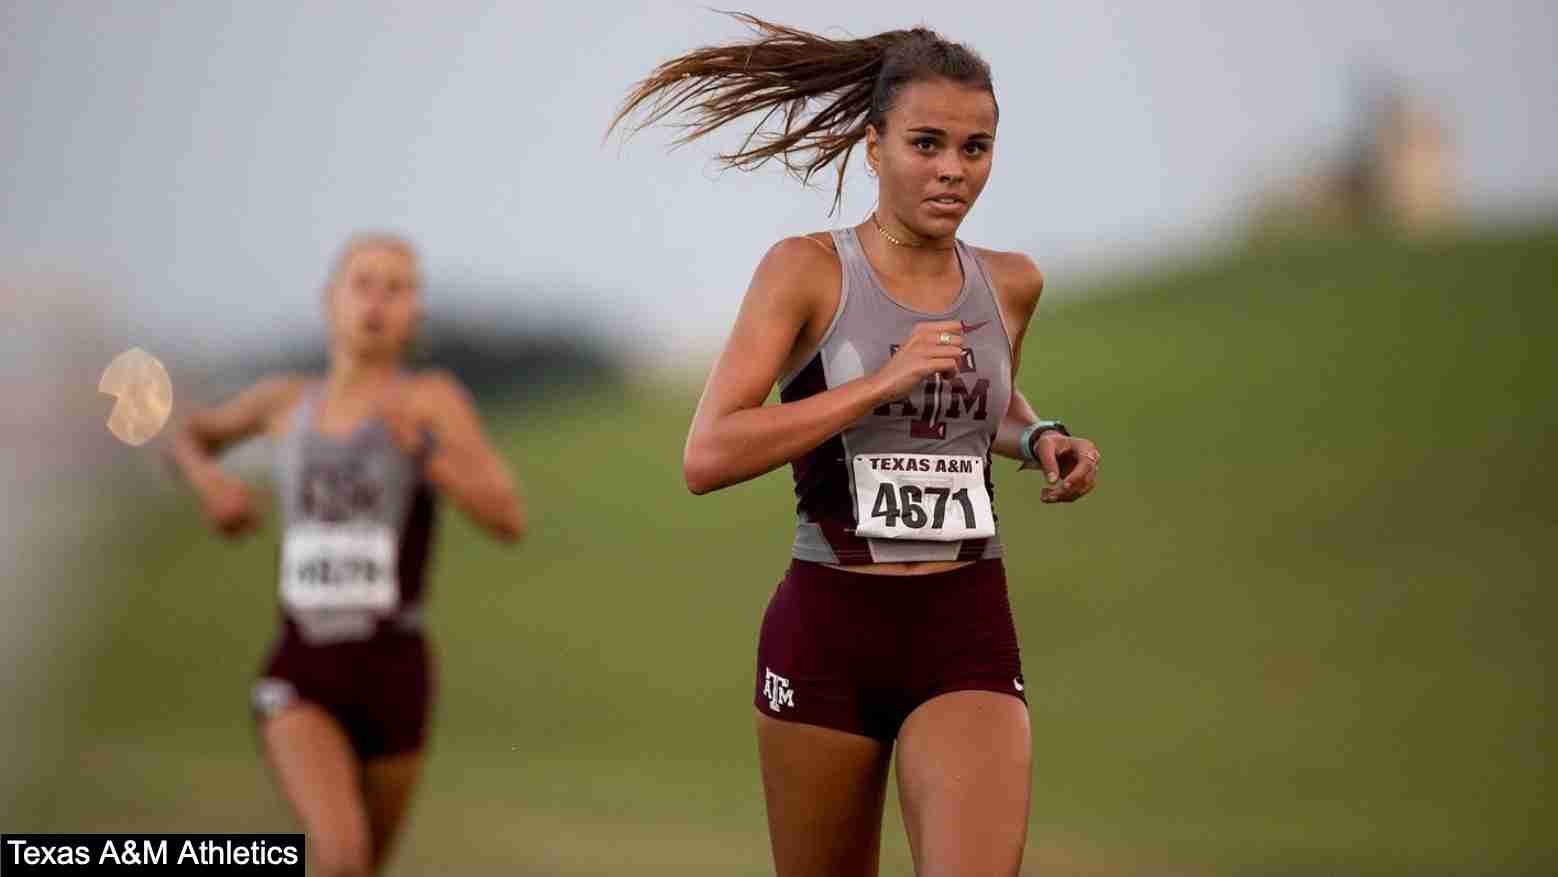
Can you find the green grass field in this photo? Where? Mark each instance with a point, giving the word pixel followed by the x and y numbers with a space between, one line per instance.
pixel 1303 627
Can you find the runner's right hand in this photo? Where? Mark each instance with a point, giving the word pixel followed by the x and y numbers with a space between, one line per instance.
pixel 229 504
pixel 920 356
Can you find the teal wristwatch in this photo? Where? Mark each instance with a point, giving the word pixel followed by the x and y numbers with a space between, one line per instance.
pixel 1034 430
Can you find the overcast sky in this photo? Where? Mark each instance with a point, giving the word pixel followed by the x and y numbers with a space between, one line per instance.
pixel 198 162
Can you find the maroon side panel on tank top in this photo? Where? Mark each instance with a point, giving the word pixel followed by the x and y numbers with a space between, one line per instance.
pixel 821 474
pixel 416 546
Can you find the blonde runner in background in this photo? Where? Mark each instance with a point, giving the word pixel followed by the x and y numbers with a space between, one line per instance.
pixel 362 455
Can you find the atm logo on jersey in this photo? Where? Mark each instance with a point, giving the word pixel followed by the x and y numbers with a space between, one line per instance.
pixel 778 691
pixel 942 399
pixel 340 491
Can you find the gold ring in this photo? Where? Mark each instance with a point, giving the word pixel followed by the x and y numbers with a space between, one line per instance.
pixel 946 338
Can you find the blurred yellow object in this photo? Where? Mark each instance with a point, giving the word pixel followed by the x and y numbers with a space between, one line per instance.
pixel 140 383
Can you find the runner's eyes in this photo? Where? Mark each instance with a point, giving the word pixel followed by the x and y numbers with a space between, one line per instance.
pixel 973 149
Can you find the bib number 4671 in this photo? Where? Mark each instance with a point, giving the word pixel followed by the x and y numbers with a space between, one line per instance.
pixel 924 497
pixel 907 505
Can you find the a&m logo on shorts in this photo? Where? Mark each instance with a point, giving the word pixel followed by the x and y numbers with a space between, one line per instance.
pixel 778 691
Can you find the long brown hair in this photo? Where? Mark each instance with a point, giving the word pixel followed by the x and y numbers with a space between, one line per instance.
pixel 817 95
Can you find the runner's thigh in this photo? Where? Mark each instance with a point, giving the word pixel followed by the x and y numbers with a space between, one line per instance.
pixel 318 772
pixel 825 790
pixel 964 761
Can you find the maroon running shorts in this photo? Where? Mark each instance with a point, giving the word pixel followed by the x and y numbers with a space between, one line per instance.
pixel 858 652
pixel 380 690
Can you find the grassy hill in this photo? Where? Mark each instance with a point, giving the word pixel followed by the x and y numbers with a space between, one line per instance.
pixel 1303 627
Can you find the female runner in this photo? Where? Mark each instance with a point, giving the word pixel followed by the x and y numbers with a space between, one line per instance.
pixel 895 346
pixel 343 699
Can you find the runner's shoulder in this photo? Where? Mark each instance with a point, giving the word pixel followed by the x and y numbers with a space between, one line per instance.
pixel 1015 274
pixel 272 398
pixel 276 393
pixel 806 253
pixel 804 268
pixel 438 389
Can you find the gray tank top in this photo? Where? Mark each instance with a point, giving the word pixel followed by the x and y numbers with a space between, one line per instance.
pixel 942 425
pixel 357 523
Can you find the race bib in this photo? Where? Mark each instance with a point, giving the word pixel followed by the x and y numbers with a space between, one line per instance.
pixel 339 566
pixel 931 497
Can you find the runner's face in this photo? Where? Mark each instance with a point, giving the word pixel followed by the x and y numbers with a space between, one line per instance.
pixel 375 302
pixel 934 157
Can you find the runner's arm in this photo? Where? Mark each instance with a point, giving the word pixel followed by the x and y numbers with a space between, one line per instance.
pixel 200 439
pixel 734 436
pixel 1070 463
pixel 463 465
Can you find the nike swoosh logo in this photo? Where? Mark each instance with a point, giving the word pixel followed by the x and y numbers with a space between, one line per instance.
pixel 974 327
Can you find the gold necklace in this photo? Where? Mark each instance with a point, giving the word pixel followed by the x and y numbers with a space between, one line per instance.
pixel 889 235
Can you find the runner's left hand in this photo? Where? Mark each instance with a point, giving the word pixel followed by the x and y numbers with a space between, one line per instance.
pixel 1070 465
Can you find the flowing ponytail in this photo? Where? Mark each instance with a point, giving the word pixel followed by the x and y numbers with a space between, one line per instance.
pixel 816 95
